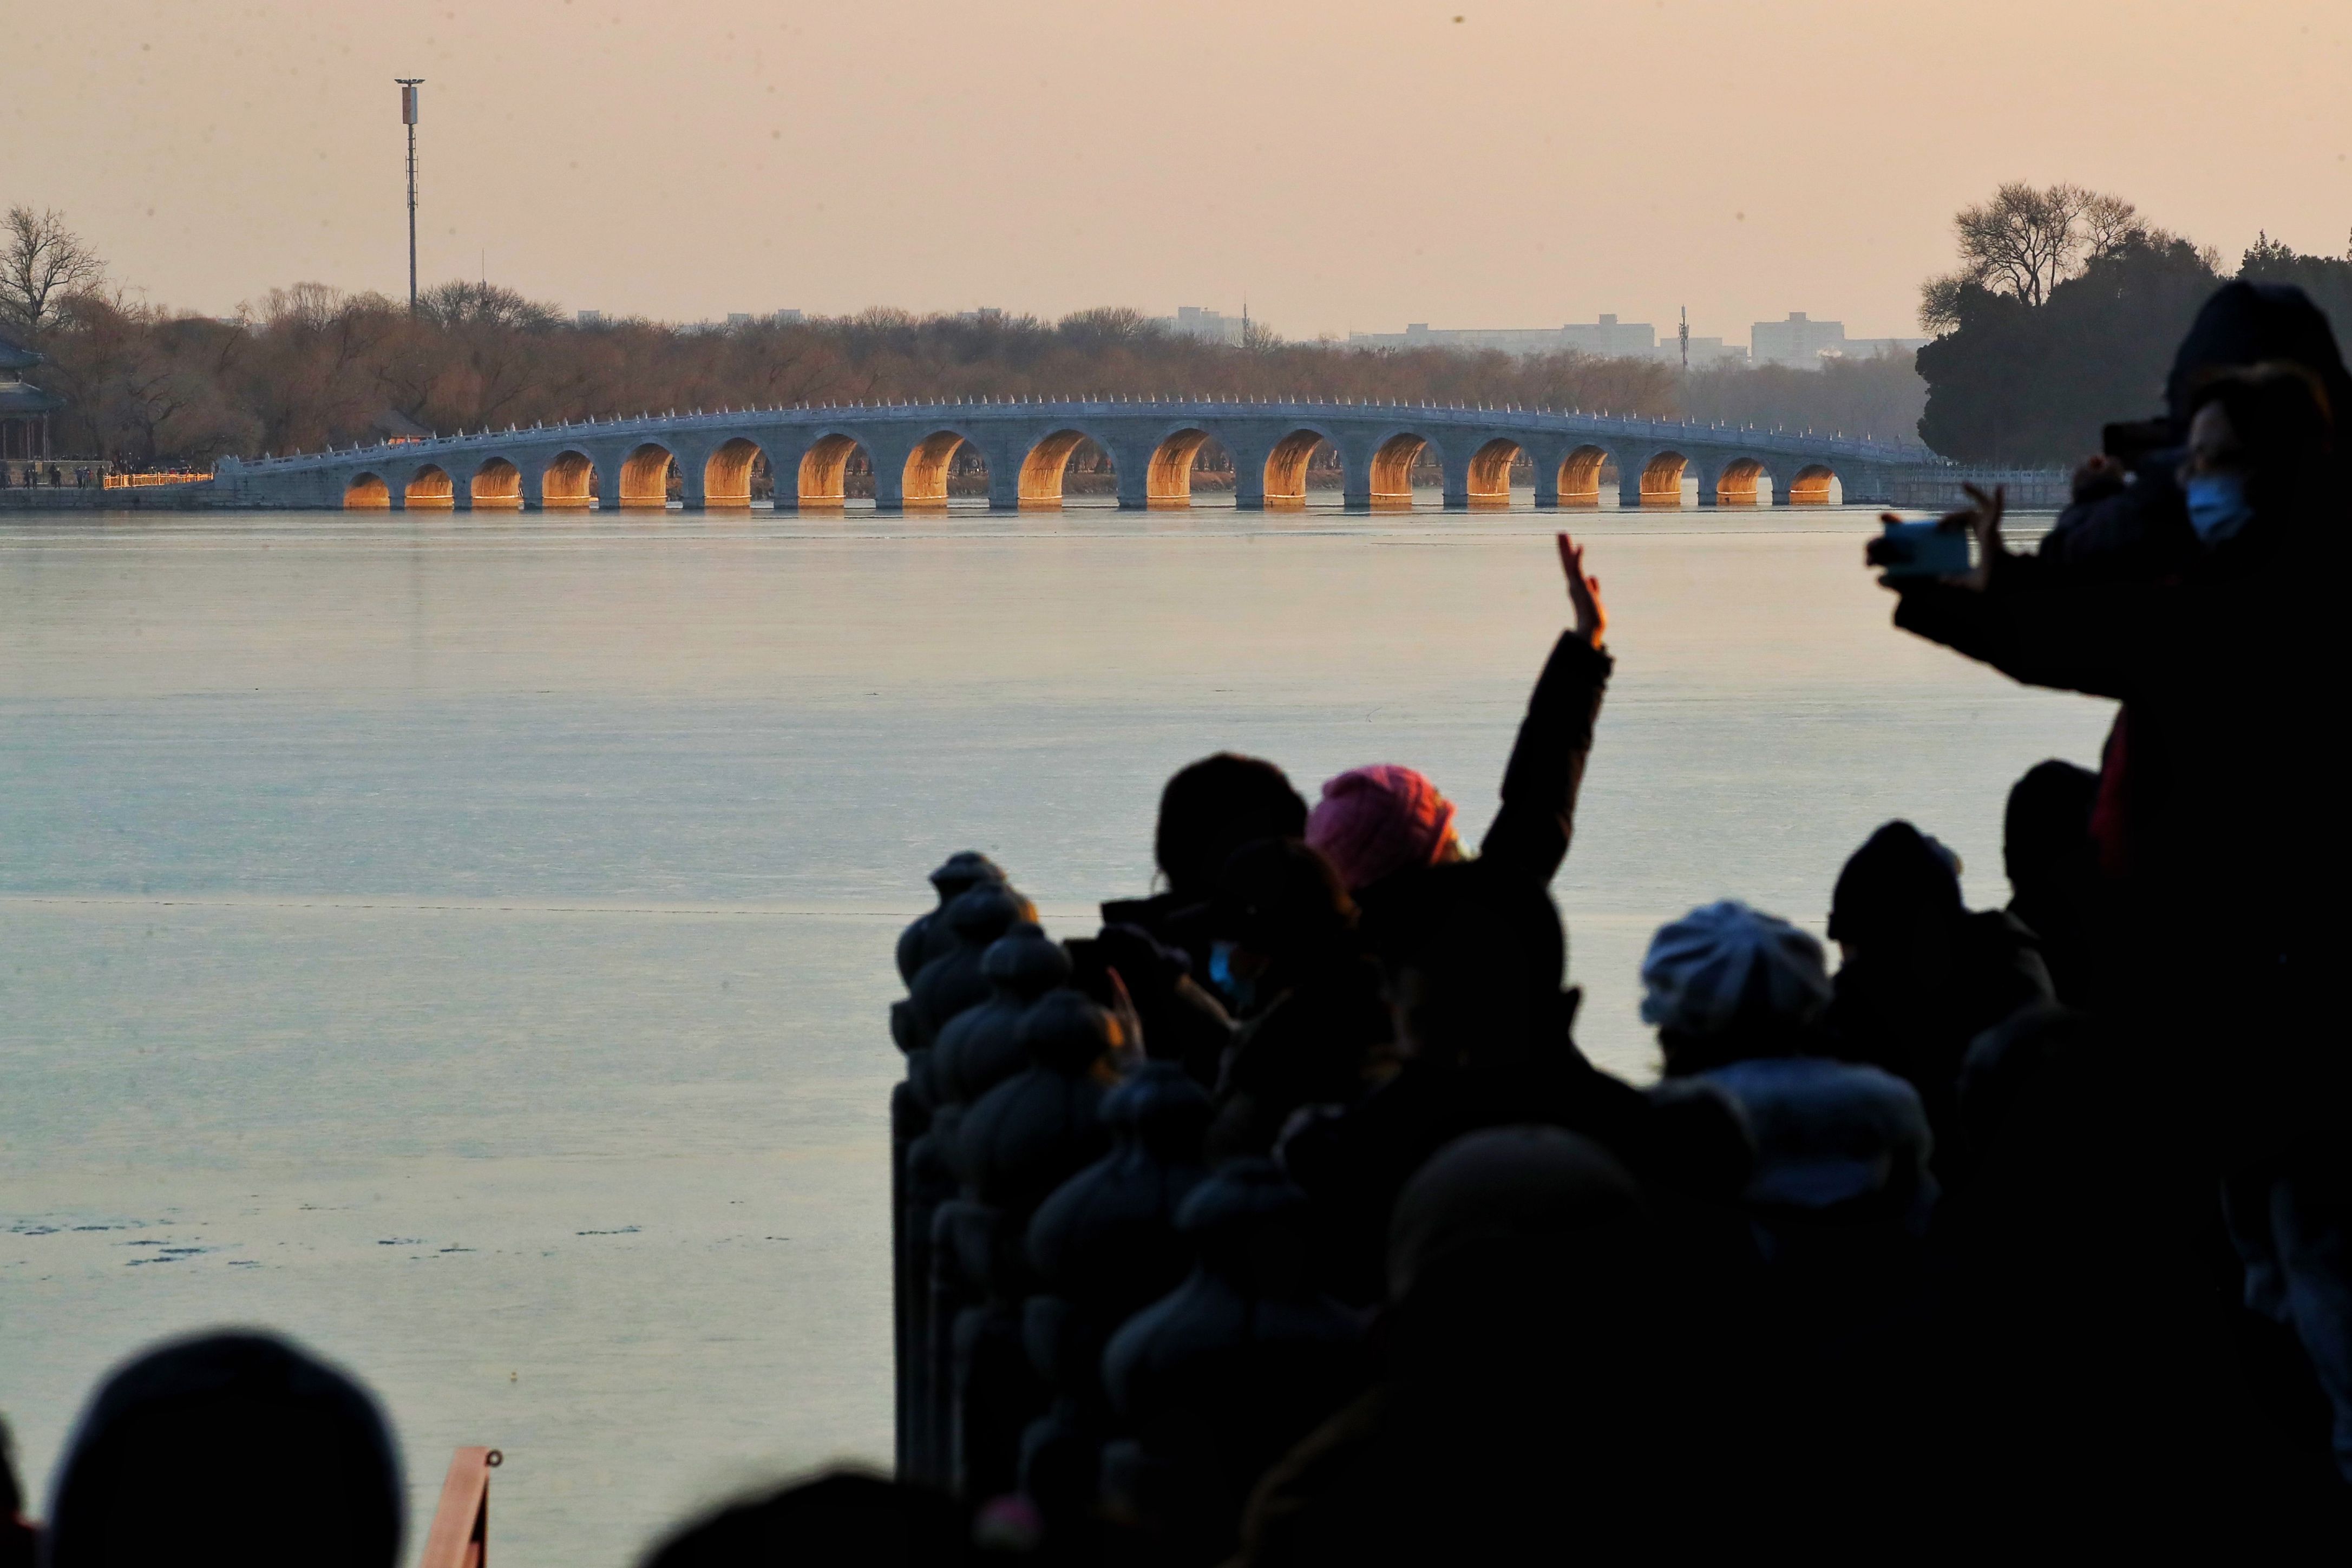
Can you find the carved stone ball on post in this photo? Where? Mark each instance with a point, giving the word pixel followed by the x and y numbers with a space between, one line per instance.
pixel 1104 1244
pixel 981 1047
pixel 927 937
pixel 953 981
pixel 1220 1377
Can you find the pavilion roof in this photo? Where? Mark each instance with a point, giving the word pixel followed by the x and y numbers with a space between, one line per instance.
pixel 19 399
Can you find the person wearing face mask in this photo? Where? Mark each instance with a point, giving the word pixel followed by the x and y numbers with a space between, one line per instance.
pixel 2216 765
pixel 2222 665
pixel 1287 961
pixel 2129 519
pixel 2220 870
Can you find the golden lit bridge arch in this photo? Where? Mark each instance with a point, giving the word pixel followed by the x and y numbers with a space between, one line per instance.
pixel 707 460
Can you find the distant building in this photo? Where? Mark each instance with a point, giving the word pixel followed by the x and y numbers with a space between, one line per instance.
pixel 592 317
pixel 1704 351
pixel 788 317
pixel 1803 342
pixel 1197 321
pixel 1607 337
pixel 739 318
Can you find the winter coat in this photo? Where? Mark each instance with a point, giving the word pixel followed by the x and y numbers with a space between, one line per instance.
pixel 1919 1030
pixel 1537 818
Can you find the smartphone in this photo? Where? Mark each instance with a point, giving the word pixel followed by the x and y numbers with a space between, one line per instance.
pixel 1923 549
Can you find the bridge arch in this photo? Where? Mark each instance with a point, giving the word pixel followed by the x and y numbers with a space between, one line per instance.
pixel 496 481
pixel 1287 465
pixel 1488 473
pixel 925 480
pixel 825 469
pixel 1043 468
pixel 1815 485
pixel 1744 482
pixel 569 480
pixel 1662 479
pixel 430 489
pixel 1168 481
pixel 1580 476
pixel 645 475
pixel 1389 477
pixel 727 473
pixel 367 492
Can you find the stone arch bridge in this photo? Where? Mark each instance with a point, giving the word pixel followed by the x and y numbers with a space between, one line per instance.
pixel 1025 445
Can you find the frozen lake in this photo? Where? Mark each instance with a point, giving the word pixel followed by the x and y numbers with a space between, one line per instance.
pixel 464 942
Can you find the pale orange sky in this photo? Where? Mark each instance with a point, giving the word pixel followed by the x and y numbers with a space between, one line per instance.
pixel 1348 165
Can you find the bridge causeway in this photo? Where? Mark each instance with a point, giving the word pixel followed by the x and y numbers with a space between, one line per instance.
pixel 1152 445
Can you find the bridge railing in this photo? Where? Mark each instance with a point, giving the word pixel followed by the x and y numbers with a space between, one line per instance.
pixel 1566 421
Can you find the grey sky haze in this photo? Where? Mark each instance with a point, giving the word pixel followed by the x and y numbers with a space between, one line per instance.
pixel 1347 165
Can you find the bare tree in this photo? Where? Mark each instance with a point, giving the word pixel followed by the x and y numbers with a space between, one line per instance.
pixel 460 302
pixel 42 263
pixel 2021 242
pixel 2110 224
pixel 1104 325
pixel 2025 241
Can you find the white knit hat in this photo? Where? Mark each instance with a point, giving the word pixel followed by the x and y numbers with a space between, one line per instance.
pixel 1724 964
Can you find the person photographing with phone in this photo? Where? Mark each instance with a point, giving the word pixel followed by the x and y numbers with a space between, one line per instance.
pixel 2222 665
pixel 2217 827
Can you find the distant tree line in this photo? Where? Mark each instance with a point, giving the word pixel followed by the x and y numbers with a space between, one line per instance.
pixel 1879 397
pixel 308 365
pixel 2063 316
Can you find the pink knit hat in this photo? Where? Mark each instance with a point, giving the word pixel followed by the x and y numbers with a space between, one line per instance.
pixel 1375 821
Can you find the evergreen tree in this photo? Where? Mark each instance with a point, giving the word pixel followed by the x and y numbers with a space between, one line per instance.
pixel 2326 278
pixel 2012 382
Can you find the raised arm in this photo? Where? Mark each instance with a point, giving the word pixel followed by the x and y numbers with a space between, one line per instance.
pixel 1532 830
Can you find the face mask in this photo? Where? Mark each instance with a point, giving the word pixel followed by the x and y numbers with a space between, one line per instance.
pixel 2217 506
pixel 1238 992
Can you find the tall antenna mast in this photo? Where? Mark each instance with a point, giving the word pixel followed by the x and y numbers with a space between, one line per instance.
pixel 408 86
pixel 1684 335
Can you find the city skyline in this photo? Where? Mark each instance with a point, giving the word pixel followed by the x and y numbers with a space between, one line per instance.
pixel 682 167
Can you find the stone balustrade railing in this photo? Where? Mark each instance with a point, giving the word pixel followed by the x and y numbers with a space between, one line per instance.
pixel 1086 1315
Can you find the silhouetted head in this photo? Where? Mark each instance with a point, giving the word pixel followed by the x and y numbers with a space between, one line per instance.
pixel 1213 807
pixel 1280 899
pixel 1517 1261
pixel 1373 822
pixel 1727 983
pixel 2267 431
pixel 231 1447
pixel 840 1521
pixel 1506 1188
pixel 2046 830
pixel 2245 324
pixel 1472 956
pixel 1278 912
pixel 1901 884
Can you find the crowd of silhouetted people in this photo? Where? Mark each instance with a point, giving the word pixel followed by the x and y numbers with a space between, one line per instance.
pixel 1281 1220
